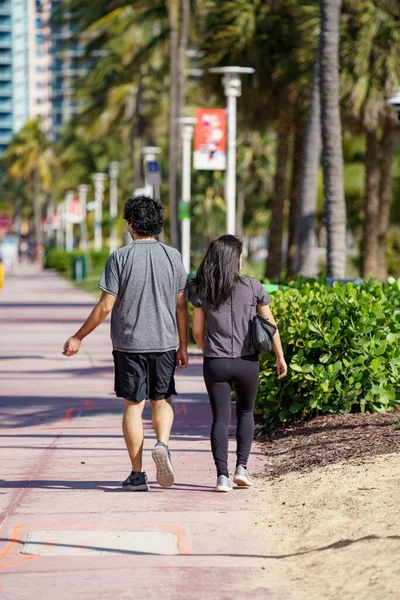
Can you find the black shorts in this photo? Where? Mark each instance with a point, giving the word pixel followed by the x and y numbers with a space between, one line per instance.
pixel 147 375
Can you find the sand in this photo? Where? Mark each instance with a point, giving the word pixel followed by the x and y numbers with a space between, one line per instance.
pixel 334 532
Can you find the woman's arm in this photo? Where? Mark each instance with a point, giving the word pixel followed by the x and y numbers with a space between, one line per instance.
pixel 281 366
pixel 199 320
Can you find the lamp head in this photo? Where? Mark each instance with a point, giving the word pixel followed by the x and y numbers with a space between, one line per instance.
pixel 394 102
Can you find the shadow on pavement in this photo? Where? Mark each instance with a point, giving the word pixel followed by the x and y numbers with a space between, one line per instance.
pixel 335 546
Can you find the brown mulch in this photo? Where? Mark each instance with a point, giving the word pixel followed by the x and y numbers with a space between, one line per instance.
pixel 330 439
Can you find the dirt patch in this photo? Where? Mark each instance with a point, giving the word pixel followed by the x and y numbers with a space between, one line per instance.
pixel 330 439
pixel 329 509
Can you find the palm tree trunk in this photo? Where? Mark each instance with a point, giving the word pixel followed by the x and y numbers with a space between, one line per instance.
pixel 37 209
pixel 385 193
pixel 274 259
pixel 331 129
pixel 173 16
pixel 240 212
pixel 183 43
pixel 294 195
pixel 307 202
pixel 370 263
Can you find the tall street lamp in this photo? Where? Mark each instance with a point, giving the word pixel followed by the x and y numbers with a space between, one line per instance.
pixel 113 170
pixel 98 180
pixel 69 232
pixel 187 124
pixel 394 102
pixel 82 194
pixel 233 89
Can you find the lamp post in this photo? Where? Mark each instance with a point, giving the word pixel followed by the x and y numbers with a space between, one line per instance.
pixel 98 180
pixel 113 170
pixel 82 193
pixel 60 229
pixel 394 102
pixel 69 232
pixel 233 89
pixel 187 124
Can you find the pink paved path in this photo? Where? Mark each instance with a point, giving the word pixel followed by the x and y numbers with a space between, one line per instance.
pixel 63 457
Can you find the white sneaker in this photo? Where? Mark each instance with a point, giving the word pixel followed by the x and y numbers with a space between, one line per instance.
pixel 242 477
pixel 224 484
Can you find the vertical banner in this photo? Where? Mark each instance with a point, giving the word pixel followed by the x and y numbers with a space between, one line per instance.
pixel 75 213
pixel 210 139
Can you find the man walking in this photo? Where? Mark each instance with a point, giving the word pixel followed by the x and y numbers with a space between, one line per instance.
pixel 144 285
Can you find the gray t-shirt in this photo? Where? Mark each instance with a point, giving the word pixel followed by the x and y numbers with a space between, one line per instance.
pixel 228 328
pixel 146 277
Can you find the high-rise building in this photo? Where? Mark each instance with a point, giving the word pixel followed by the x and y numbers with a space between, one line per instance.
pixel 68 64
pixel 25 65
pixel 6 71
pixel 38 65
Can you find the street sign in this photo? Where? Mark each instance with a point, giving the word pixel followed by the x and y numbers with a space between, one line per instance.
pixel 153 173
pixel 6 222
pixel 210 139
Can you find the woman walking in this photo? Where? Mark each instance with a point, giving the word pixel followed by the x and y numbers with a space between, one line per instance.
pixel 226 303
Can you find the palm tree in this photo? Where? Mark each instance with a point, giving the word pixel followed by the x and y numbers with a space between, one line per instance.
pixel 331 130
pixel 29 157
pixel 279 198
pixel 307 201
pixel 297 170
pixel 385 191
pixel 371 72
pixel 173 145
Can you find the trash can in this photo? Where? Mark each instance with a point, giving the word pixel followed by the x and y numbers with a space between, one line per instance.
pixel 78 268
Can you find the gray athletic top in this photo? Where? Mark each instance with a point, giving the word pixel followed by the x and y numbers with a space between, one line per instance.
pixel 145 277
pixel 228 328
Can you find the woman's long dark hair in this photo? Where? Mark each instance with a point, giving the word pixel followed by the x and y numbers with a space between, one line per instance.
pixel 219 270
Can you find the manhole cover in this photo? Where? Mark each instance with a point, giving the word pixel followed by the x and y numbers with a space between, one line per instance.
pixel 88 543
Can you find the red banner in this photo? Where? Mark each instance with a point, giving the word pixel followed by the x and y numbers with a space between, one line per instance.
pixel 5 222
pixel 210 139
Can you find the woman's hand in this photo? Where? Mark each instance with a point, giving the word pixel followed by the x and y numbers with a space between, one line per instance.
pixel 281 367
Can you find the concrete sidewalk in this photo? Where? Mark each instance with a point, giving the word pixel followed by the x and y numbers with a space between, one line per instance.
pixel 67 528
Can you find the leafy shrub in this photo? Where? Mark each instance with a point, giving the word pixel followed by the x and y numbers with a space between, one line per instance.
pixel 342 347
pixel 57 259
pixel 99 259
pixel 62 260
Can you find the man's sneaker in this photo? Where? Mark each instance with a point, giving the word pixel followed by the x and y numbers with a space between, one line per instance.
pixel 162 457
pixel 136 482
pixel 224 484
pixel 242 477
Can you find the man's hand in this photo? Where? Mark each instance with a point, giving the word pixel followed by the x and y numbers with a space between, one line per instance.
pixel 281 367
pixel 72 346
pixel 182 358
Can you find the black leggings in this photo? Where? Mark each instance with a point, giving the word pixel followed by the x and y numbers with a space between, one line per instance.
pixel 219 375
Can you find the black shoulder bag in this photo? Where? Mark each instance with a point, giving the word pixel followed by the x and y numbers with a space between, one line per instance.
pixel 261 332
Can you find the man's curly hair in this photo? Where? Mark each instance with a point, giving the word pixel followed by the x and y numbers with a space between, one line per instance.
pixel 144 215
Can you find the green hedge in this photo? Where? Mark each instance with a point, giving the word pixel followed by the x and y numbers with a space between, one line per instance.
pixel 342 347
pixel 62 260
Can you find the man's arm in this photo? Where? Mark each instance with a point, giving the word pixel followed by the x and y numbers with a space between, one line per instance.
pixel 182 319
pixel 96 317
